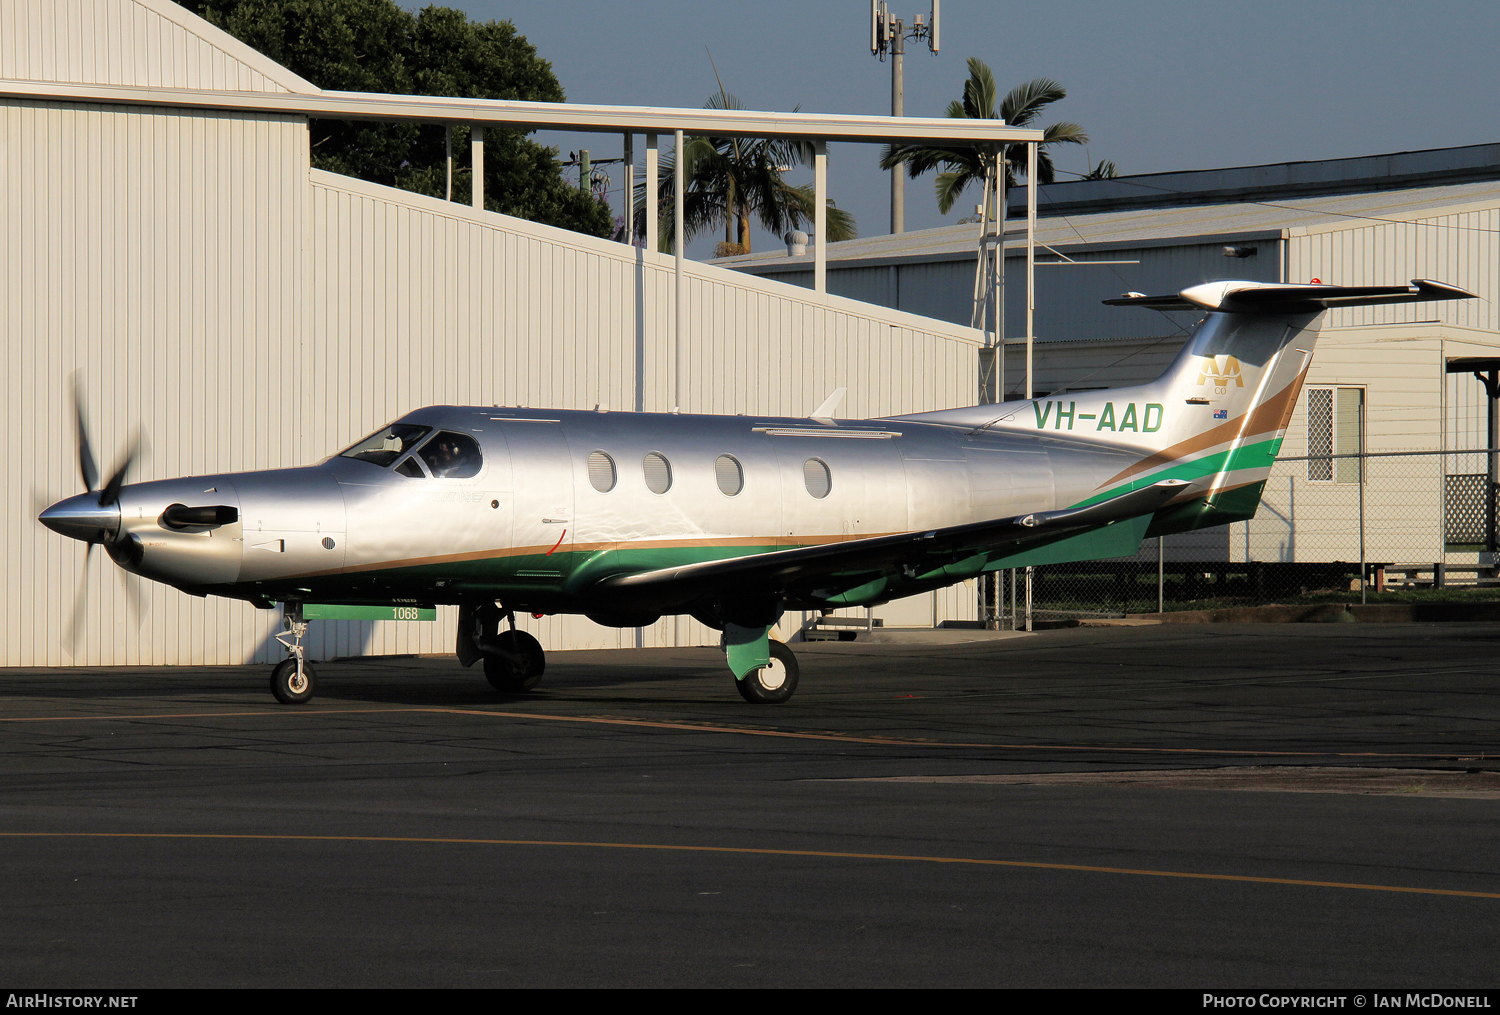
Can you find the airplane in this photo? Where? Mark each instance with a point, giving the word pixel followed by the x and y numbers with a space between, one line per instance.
pixel 626 517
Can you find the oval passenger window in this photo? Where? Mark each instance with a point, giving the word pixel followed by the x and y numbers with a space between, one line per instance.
pixel 658 473
pixel 602 471
pixel 729 474
pixel 815 475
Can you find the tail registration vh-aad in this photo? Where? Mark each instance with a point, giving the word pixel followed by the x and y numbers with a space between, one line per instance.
pixel 627 517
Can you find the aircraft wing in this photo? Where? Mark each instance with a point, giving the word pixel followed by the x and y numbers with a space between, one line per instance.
pixel 922 551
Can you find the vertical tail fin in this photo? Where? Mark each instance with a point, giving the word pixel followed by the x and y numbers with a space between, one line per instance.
pixel 1228 395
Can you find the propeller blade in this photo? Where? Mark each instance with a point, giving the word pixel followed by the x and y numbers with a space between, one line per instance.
pixel 86 467
pixel 134 597
pixel 80 604
pixel 111 491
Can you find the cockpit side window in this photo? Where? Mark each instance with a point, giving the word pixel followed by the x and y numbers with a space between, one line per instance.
pixel 452 455
pixel 387 444
pixel 410 468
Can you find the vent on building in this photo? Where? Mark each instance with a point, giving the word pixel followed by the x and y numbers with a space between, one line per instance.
pixel 815 475
pixel 602 471
pixel 729 474
pixel 658 473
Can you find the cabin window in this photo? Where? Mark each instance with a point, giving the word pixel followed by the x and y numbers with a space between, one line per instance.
pixel 1335 418
pixel 386 445
pixel 817 477
pixel 452 455
pixel 658 473
pixel 602 472
pixel 730 475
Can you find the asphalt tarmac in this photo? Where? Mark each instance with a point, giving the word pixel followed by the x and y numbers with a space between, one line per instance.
pixel 633 822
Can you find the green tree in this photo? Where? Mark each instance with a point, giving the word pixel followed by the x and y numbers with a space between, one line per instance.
pixel 731 180
pixel 961 165
pixel 375 46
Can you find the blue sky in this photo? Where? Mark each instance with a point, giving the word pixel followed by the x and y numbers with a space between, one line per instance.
pixel 1158 84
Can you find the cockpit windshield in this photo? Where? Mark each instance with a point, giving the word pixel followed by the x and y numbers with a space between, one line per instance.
pixel 387 444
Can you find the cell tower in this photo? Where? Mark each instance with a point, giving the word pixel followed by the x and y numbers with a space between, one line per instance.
pixel 888 35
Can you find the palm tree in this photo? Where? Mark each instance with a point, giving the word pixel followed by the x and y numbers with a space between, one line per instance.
pixel 731 179
pixel 962 165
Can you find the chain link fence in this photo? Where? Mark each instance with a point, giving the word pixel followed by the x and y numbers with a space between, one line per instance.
pixel 1404 526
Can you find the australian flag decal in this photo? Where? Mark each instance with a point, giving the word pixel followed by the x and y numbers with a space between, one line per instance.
pixel 1221 414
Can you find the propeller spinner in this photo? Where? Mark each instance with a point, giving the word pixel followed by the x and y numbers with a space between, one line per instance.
pixel 92 517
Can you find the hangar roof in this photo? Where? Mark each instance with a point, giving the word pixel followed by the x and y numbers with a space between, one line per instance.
pixel 1136 227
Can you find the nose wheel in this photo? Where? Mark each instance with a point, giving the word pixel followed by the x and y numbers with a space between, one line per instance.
pixel 292 680
pixel 291 684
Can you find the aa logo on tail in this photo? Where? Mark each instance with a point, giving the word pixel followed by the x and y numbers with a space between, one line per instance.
pixel 1223 371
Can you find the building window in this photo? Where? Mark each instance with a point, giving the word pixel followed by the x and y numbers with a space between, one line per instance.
pixel 1335 419
pixel 730 476
pixel 601 472
pixel 658 473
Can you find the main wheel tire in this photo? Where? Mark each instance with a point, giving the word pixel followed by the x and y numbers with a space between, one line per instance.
pixel 773 684
pixel 515 676
pixel 288 687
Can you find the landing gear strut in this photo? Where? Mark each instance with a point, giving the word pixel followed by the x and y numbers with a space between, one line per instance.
pixel 513 660
pixel 292 680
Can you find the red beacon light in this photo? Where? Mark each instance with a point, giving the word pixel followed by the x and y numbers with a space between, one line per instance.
pixel 1316 281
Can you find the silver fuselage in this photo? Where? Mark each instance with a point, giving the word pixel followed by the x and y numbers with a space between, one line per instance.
pixel 532 528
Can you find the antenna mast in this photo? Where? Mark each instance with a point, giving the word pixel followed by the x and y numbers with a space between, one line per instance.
pixel 888 35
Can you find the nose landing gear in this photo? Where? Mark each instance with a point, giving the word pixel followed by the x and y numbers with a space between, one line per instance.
pixel 293 680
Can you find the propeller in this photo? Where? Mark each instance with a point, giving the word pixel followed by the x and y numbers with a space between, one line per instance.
pixel 93 526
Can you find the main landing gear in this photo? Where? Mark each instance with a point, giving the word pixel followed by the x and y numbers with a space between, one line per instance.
pixel 765 671
pixel 513 660
pixel 293 680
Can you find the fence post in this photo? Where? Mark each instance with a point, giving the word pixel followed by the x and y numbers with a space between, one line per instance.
pixel 1161 576
pixel 1439 574
pixel 1363 577
pixel 1028 597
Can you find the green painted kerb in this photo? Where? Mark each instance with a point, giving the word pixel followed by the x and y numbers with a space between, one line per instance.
pixel 325 611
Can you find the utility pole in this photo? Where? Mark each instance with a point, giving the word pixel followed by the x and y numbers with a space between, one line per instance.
pixel 888 35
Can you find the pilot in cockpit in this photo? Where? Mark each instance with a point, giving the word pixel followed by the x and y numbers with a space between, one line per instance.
pixel 452 456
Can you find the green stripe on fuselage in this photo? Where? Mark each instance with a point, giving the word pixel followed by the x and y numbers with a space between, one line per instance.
pixel 1261 455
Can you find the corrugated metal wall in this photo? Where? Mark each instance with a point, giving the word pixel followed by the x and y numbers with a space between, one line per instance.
pixel 159 255
pixel 1459 248
pixel 250 313
pixel 146 43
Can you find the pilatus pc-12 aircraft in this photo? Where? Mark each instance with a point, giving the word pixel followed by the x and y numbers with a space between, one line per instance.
pixel 626 517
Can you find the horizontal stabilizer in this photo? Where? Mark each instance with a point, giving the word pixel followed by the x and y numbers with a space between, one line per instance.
pixel 1287 298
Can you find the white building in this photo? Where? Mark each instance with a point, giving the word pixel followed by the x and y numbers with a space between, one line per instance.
pixel 248 311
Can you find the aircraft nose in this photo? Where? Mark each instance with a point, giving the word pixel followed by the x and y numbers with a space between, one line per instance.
pixel 83 517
